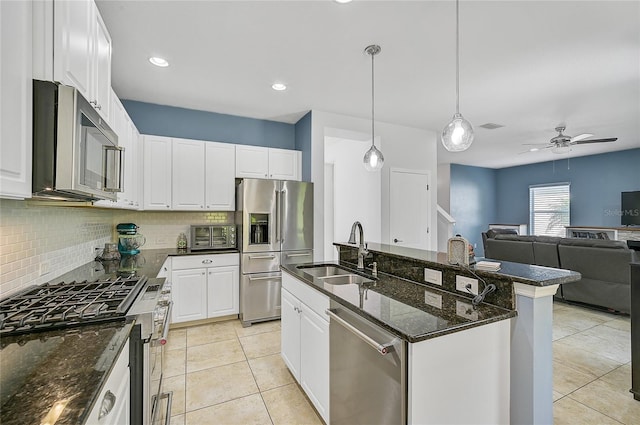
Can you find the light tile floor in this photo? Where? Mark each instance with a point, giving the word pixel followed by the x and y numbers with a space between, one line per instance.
pixel 222 373
pixel 592 367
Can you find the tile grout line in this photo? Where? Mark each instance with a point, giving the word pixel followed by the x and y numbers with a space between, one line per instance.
pixel 595 410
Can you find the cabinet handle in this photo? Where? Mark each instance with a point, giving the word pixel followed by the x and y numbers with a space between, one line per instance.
pixel 108 402
pixel 202 273
pixel 261 257
pixel 207 261
pixel 167 206
pixel 201 206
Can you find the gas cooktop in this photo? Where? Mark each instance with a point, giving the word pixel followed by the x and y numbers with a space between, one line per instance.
pixel 54 306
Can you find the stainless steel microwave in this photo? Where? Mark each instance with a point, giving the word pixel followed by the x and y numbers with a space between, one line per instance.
pixel 215 236
pixel 75 152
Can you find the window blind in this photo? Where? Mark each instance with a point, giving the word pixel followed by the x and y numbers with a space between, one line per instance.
pixel 549 207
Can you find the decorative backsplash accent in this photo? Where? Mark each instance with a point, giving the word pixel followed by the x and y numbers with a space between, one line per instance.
pixel 39 242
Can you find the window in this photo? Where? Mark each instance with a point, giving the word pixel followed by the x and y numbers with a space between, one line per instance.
pixel 549 209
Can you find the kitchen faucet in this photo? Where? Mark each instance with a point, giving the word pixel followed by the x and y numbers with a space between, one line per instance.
pixel 362 249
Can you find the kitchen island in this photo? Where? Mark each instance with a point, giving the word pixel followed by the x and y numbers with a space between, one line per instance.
pixel 426 313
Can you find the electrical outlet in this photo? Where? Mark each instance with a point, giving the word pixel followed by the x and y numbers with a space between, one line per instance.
pixel 433 276
pixel 44 268
pixel 433 299
pixel 466 310
pixel 467 285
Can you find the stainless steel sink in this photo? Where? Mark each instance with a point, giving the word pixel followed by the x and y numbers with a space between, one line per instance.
pixel 334 275
pixel 324 271
pixel 345 279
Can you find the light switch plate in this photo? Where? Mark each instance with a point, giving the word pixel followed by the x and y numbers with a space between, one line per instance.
pixel 433 276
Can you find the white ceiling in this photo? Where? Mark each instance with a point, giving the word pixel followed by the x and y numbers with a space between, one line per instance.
pixel 528 65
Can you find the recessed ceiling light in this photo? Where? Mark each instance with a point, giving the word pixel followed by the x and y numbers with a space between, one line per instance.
pixel 534 149
pixel 279 86
pixel 342 1
pixel 157 61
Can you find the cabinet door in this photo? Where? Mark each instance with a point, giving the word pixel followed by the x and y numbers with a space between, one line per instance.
pixel 290 329
pixel 314 359
pixel 188 175
pixel 223 291
pixel 252 162
pixel 220 184
pixel 157 173
pixel 284 164
pixel 101 73
pixel 189 295
pixel 73 44
pixel 15 99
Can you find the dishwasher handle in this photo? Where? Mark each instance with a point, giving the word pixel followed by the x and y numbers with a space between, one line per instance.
pixel 383 349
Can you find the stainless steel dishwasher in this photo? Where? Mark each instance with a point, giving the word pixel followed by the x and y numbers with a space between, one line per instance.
pixel 367 381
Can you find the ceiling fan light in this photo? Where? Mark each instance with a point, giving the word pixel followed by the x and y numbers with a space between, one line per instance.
pixel 561 149
pixel 458 135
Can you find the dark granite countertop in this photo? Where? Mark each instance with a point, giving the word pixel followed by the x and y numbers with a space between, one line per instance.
pixel 409 310
pixel 523 273
pixel 41 369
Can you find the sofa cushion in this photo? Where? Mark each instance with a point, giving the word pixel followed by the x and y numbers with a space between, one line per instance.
pixel 491 233
pixel 593 243
pixel 546 254
pixel 521 238
pixel 510 250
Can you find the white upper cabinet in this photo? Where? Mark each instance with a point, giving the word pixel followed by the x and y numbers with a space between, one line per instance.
pixel 188 174
pixel 252 162
pixel 268 163
pixel 15 99
pixel 157 173
pixel 284 164
pixel 220 187
pixel 82 47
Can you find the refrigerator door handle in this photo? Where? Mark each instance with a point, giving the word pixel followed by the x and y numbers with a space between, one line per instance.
pixel 283 198
pixel 278 214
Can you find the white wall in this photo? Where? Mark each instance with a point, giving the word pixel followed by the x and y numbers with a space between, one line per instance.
pixel 356 192
pixel 444 186
pixel 403 147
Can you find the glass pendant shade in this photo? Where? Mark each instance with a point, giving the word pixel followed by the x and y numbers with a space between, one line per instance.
pixel 457 136
pixel 373 159
pixel 560 149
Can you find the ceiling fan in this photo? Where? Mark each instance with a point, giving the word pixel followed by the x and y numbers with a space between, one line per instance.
pixel 562 143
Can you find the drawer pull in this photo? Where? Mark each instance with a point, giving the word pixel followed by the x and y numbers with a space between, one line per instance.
pixel 262 257
pixel 298 255
pixel 207 261
pixel 108 402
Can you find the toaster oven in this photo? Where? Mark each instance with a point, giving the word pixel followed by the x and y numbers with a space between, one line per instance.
pixel 217 236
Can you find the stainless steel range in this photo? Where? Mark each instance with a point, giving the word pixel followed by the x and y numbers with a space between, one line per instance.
pixel 66 305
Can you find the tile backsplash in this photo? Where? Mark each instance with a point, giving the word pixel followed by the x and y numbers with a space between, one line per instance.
pixel 39 242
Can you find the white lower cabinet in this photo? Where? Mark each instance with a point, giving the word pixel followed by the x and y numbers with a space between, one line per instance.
pixel 204 286
pixel 305 340
pixel 114 398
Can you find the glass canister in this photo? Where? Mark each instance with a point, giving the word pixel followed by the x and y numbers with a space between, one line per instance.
pixel 182 241
pixel 110 252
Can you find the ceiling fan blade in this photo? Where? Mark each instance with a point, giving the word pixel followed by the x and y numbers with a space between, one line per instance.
pixel 535 144
pixel 581 137
pixel 583 142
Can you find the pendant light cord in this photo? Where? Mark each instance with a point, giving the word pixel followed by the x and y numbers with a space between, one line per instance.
pixel 373 139
pixel 457 56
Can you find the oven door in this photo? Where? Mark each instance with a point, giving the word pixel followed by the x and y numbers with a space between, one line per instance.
pixel 160 401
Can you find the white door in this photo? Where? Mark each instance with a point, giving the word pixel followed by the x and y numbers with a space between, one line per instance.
pixel 188 175
pixel 220 184
pixel 252 162
pixel 314 359
pixel 410 208
pixel 157 173
pixel 284 164
pixel 189 295
pixel 290 340
pixel 223 291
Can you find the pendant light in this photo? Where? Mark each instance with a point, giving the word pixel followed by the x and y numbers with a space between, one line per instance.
pixel 457 136
pixel 373 159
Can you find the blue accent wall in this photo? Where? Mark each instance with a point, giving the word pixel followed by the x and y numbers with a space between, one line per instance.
pixel 303 143
pixel 596 182
pixel 473 202
pixel 170 121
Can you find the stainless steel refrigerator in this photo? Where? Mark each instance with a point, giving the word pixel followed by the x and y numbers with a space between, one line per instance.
pixel 276 227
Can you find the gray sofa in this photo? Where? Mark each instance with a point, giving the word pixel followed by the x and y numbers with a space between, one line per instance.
pixel 604 265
